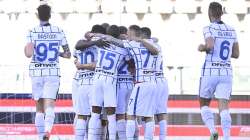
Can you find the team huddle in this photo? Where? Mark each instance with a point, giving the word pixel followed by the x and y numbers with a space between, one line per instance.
pixel 116 78
pixel 119 79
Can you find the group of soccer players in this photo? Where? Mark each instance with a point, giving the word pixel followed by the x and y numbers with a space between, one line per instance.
pixel 119 78
pixel 118 70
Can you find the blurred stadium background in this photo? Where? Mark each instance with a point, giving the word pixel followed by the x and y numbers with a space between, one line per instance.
pixel 176 23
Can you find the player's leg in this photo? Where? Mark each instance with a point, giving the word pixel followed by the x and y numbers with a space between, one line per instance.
pixel 206 91
pixel 111 116
pixel 39 119
pixel 162 122
pixel 131 113
pixel 121 126
pixel 161 108
pixel 110 107
pixel 80 127
pixel 123 93
pixel 95 127
pixel 223 93
pixel 149 128
pixel 82 111
pixel 51 88
pixel 37 92
pixel 225 118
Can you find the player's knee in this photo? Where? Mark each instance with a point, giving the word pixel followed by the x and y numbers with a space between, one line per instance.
pixel 148 119
pixel 120 117
pixel 204 102
pixel 131 117
pixel 223 104
pixel 49 111
pixel 83 117
pixel 96 109
pixel 110 110
pixel 162 116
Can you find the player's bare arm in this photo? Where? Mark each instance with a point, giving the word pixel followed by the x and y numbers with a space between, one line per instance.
pixel 208 46
pixel 236 50
pixel 29 50
pixel 66 52
pixel 89 66
pixel 131 66
pixel 151 48
pixel 83 44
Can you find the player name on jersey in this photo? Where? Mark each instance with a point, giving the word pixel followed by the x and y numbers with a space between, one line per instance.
pixel 47 36
pixel 225 33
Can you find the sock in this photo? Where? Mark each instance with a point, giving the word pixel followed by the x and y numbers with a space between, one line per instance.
pixel 225 124
pixel 121 129
pixel 86 132
pixel 39 123
pixel 80 129
pixel 112 126
pixel 104 130
pixel 95 126
pixel 130 129
pixel 208 119
pixel 143 124
pixel 163 129
pixel 137 130
pixel 149 130
pixel 49 119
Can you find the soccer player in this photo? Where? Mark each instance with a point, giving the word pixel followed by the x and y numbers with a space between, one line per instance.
pixel 43 46
pixel 142 99
pixel 82 85
pixel 162 86
pixel 124 89
pixel 220 46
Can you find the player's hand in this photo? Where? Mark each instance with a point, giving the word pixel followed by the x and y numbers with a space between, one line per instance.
pixel 77 64
pixel 102 43
pixel 201 47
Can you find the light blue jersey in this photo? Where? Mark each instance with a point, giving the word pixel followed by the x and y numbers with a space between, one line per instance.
pixel 124 76
pixel 47 40
pixel 144 61
pixel 109 60
pixel 218 60
pixel 86 56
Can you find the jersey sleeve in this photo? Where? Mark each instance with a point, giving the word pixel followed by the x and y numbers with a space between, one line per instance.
pixel 63 39
pixel 207 32
pixel 128 47
pixel 29 37
pixel 236 39
pixel 74 53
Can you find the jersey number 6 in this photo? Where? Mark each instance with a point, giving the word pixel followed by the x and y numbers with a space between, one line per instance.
pixel 224 50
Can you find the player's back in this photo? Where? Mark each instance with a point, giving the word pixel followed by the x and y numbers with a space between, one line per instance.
pixel 124 75
pixel 47 40
pixel 218 60
pixel 144 61
pixel 109 60
pixel 86 56
pixel 158 60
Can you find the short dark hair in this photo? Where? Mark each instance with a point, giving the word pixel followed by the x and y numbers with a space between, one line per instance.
pixel 44 12
pixel 146 32
pixel 136 29
pixel 123 30
pixel 105 25
pixel 215 9
pixel 98 29
pixel 114 31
